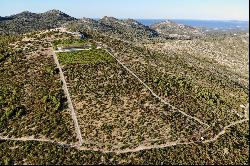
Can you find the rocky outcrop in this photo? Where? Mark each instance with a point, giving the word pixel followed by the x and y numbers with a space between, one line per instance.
pixel 173 30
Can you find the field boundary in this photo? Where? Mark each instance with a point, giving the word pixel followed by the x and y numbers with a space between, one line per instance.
pixel 154 94
pixel 139 148
pixel 70 104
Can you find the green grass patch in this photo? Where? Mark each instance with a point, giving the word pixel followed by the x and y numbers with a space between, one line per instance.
pixel 92 56
pixel 70 43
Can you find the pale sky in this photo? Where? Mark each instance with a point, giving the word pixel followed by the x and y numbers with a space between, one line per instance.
pixel 150 9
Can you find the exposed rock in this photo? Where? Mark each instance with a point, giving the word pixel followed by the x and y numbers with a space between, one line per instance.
pixel 128 29
pixel 176 31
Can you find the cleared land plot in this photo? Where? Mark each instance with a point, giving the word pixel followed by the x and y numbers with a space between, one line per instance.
pixel 32 102
pixel 115 111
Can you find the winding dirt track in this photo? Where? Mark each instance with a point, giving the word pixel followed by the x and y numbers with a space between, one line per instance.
pixel 139 148
pixel 154 94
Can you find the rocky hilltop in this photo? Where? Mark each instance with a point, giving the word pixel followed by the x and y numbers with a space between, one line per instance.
pixel 129 26
pixel 129 29
pixel 27 22
pixel 173 30
pixel 126 29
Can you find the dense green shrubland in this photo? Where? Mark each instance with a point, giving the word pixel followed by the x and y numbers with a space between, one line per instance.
pixel 32 102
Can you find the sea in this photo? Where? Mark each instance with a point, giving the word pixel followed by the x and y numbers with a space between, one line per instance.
pixel 206 25
pixel 222 25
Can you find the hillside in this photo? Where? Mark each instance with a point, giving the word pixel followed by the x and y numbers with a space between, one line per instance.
pixel 127 30
pixel 132 30
pixel 129 27
pixel 121 94
pixel 179 31
pixel 136 105
pixel 27 22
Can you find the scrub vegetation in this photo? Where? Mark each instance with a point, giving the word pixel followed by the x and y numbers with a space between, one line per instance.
pixel 139 96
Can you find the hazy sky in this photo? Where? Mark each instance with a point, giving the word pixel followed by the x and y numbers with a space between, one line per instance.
pixel 166 9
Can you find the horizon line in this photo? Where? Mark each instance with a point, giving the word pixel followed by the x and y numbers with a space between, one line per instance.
pixel 199 19
pixel 194 19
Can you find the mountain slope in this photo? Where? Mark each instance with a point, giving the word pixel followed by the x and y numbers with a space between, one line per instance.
pixel 87 23
pixel 129 27
pixel 27 22
pixel 174 30
pixel 128 30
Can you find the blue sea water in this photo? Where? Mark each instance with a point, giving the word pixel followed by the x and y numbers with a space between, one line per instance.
pixel 212 24
pixel 220 25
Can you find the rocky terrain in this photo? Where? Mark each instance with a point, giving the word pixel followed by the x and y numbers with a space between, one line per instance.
pixel 128 29
pixel 28 22
pixel 176 31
